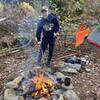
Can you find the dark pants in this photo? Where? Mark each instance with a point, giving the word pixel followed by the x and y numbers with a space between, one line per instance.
pixel 45 43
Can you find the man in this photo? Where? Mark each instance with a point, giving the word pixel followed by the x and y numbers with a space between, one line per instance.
pixel 48 28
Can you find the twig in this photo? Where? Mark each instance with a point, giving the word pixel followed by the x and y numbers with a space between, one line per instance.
pixel 66 56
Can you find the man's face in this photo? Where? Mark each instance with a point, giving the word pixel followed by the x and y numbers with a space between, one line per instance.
pixel 45 13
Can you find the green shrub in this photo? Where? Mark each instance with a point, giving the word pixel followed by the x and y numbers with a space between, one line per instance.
pixel 1 7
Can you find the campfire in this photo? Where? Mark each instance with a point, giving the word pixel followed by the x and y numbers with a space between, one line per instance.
pixel 43 85
pixel 38 84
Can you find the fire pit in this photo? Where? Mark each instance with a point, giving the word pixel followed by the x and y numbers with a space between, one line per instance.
pixel 39 84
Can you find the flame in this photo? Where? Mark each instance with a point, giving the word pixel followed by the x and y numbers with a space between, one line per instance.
pixel 43 85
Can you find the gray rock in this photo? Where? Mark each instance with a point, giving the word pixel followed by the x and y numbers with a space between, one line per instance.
pixel 59 75
pixel 61 97
pixel 12 85
pixel 10 94
pixel 43 98
pixel 15 83
pixel 75 66
pixel 20 98
pixel 26 84
pixel 60 64
pixel 54 98
pixel 71 95
pixel 28 74
pixel 58 91
pixel 69 70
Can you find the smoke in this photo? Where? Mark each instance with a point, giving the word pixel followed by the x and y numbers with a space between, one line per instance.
pixel 27 29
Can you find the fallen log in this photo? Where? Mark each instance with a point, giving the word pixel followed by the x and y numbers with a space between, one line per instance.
pixel 21 57
pixel 12 52
pixel 7 52
pixel 9 49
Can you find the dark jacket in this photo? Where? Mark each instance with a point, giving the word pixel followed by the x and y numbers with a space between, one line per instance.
pixel 48 27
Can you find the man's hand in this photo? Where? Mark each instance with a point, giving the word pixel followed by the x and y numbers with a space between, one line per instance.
pixel 39 42
pixel 56 34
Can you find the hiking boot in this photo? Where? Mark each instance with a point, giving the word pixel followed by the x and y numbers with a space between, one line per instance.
pixel 49 64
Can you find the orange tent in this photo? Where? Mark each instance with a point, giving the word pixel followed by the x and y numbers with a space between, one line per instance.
pixel 80 36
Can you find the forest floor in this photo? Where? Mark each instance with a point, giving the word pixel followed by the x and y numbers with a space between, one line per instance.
pixel 86 84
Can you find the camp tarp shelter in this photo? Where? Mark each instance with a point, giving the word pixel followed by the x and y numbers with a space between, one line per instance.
pixel 94 36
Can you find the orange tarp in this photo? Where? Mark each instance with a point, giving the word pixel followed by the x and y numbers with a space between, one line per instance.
pixel 80 36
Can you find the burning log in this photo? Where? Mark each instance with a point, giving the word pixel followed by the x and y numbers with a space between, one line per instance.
pixel 43 84
pixel 33 90
pixel 40 96
pixel 37 86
